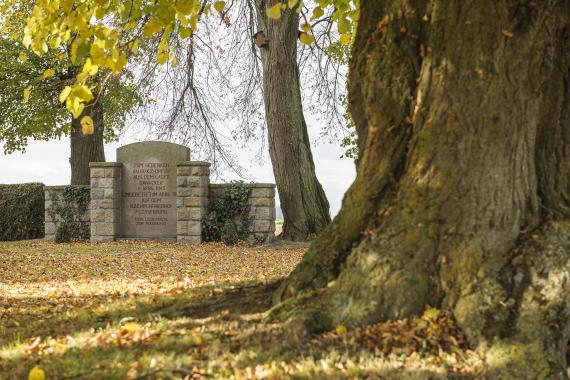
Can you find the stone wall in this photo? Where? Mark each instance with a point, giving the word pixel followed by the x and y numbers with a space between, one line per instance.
pixel 53 198
pixel 194 192
pixel 262 209
pixel 105 201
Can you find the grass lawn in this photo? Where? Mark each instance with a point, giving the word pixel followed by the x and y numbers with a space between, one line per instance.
pixel 143 310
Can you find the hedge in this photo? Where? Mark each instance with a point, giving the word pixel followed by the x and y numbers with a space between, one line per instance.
pixel 22 211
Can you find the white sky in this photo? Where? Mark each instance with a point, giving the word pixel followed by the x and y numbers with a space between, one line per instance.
pixel 48 162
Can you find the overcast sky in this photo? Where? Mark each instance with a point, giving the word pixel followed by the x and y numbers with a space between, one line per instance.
pixel 47 162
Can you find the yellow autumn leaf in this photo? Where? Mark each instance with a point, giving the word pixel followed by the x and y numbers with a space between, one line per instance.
pixel 341 330
pixel 306 38
pixel 162 57
pixel 274 12
pixel 175 61
pixel 55 42
pixel 219 6
pixel 131 326
pixel 185 7
pixel 97 51
pixel 64 94
pixel 345 39
pixel 36 373
pixel 293 3
pixel 27 92
pixel 306 27
pixel 432 313
pixel 197 340
pixel 83 93
pixel 135 46
pixel 184 32
pixel 151 28
pixel 90 68
pixel 22 57
pixel 119 63
pixel 87 126
pixel 74 105
pixel 48 73
pixel 82 77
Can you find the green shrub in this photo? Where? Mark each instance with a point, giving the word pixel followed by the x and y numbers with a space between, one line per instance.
pixel 211 228
pixel 70 208
pixel 63 232
pixel 228 218
pixel 231 234
pixel 21 211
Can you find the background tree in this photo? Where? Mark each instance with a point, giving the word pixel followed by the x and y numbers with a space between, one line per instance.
pixel 218 80
pixel 303 200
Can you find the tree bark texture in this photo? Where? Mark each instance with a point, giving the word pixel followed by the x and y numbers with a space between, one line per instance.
pixel 303 201
pixel 462 196
pixel 86 148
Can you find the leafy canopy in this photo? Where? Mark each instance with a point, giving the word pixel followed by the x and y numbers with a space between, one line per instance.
pixel 95 31
pixel 29 89
pixel 31 84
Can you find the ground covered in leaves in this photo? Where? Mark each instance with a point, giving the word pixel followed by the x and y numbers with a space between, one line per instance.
pixel 140 310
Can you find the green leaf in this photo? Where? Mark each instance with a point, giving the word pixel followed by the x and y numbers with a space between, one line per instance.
pixel 317 13
pixel 344 26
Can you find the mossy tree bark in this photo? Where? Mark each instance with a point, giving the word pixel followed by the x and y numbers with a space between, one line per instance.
pixel 86 148
pixel 303 201
pixel 462 196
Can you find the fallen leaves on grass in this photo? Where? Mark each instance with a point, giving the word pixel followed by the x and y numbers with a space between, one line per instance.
pixel 149 310
pixel 40 280
pixel 434 334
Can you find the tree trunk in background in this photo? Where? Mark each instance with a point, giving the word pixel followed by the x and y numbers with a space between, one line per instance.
pixel 462 196
pixel 86 148
pixel 303 201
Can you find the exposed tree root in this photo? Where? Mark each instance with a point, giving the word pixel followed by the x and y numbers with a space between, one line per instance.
pixel 520 322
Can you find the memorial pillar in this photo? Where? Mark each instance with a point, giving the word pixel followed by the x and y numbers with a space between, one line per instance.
pixel 105 201
pixel 193 180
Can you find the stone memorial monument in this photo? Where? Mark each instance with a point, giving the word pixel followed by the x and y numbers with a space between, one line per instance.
pixel 154 191
pixel 148 207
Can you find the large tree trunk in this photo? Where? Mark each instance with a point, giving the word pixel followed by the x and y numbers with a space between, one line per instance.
pixel 303 201
pixel 462 197
pixel 86 148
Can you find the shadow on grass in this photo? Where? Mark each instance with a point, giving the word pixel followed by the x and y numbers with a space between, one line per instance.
pixel 207 332
pixel 201 302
